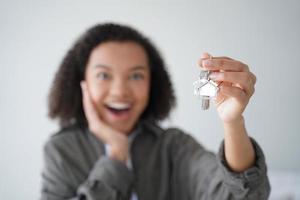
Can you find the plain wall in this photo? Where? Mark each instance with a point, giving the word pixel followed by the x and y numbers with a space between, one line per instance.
pixel 35 35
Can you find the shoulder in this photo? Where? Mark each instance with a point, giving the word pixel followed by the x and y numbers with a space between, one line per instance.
pixel 65 140
pixel 70 134
pixel 67 157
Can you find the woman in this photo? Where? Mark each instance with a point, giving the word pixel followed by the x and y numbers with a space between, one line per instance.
pixel 108 95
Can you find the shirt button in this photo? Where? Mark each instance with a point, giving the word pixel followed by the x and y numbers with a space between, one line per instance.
pixel 252 173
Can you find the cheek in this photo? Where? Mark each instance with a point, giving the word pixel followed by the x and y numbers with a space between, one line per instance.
pixel 142 94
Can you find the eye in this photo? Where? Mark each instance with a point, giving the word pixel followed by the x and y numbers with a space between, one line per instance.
pixel 102 75
pixel 137 76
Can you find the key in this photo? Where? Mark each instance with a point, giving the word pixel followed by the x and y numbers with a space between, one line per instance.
pixel 205 88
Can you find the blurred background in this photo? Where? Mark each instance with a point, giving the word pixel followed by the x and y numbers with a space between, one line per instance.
pixel 35 35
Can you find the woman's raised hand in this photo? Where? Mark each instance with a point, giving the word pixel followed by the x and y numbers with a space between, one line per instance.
pixel 236 84
pixel 119 146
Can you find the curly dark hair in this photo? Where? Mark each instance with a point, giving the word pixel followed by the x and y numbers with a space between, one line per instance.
pixel 65 97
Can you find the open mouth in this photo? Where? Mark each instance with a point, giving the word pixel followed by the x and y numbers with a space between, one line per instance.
pixel 118 110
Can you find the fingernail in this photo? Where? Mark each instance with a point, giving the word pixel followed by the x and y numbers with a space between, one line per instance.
pixel 82 85
pixel 205 55
pixel 207 63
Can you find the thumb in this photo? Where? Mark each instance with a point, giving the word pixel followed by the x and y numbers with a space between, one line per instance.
pixel 204 56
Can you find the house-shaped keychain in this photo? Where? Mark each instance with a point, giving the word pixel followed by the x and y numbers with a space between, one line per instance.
pixel 205 88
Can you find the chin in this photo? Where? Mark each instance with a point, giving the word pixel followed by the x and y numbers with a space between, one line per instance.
pixel 125 129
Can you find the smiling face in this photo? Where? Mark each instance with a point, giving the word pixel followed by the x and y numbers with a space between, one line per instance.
pixel 118 79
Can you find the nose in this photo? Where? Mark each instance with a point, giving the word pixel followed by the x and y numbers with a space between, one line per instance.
pixel 119 89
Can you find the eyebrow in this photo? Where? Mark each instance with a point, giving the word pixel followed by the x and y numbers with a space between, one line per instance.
pixel 108 67
pixel 139 67
pixel 102 66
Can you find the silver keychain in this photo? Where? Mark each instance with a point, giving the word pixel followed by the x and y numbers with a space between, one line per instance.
pixel 205 88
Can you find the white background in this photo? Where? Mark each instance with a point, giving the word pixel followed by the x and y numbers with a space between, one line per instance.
pixel 35 35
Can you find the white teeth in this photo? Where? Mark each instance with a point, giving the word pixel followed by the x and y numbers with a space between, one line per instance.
pixel 117 105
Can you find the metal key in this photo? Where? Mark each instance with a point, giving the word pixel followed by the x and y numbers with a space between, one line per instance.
pixel 205 88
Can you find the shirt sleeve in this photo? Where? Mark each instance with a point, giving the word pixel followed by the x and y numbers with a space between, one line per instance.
pixel 253 183
pixel 203 175
pixel 108 179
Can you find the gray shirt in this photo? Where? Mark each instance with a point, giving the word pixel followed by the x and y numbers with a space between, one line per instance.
pixel 167 164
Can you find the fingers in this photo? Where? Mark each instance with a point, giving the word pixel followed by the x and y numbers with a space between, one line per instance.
pixel 119 143
pixel 222 63
pixel 243 80
pixel 225 69
pixel 90 111
pixel 234 92
pixel 94 122
pixel 205 56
